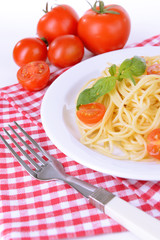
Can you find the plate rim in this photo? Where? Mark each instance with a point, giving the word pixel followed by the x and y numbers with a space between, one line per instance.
pixel 72 154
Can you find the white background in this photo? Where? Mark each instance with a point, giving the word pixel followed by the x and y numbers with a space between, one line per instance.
pixel 18 19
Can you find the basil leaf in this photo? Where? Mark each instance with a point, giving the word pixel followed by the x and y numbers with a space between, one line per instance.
pixel 100 88
pixel 138 66
pixel 84 98
pixel 132 67
pixel 129 67
pixel 112 70
pixel 125 64
pixel 127 74
pixel 103 86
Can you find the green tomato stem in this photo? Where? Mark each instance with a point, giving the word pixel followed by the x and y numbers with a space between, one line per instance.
pixel 45 41
pixel 102 8
pixel 46 10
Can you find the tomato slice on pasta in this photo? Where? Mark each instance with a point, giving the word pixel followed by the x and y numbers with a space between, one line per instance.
pixel 153 143
pixel 91 113
pixel 153 69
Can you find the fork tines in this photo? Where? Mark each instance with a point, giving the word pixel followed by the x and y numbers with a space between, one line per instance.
pixel 38 167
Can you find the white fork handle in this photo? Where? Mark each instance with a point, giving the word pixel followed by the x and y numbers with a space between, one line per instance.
pixel 133 219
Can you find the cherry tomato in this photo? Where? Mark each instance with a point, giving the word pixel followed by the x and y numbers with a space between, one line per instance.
pixel 65 51
pixel 153 143
pixel 91 113
pixel 104 28
pixel 59 21
pixel 34 76
pixel 153 69
pixel 28 50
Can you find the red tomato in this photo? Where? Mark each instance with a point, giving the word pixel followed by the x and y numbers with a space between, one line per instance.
pixel 153 143
pixel 59 21
pixel 91 113
pixel 34 76
pixel 153 69
pixel 104 31
pixel 28 50
pixel 65 51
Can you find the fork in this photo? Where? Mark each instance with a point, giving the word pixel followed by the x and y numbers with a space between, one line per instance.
pixel 133 219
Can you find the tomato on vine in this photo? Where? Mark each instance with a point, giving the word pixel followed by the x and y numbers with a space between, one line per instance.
pixel 104 28
pixel 65 51
pixel 61 20
pixel 29 49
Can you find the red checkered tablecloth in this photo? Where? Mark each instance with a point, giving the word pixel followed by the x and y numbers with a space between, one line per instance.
pixel 30 209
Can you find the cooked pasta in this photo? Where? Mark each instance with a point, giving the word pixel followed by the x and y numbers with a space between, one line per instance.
pixel 132 111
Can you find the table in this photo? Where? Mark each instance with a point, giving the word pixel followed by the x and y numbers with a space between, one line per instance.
pixel 18 20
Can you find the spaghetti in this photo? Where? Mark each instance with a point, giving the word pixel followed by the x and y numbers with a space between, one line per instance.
pixel 132 111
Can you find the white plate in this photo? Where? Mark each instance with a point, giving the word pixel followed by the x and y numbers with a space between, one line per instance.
pixel 58 117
